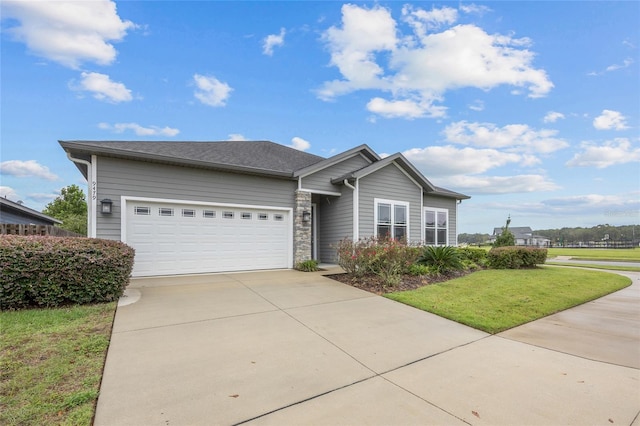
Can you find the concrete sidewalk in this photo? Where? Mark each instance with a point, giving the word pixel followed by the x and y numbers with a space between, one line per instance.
pixel 287 347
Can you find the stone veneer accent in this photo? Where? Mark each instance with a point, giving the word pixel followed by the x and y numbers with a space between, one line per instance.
pixel 301 231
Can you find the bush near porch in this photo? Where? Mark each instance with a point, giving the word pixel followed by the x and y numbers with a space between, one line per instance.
pixel 389 262
pixel 43 271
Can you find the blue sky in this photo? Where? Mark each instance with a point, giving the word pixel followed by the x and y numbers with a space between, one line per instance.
pixel 531 108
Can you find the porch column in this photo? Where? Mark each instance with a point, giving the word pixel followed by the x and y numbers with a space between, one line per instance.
pixel 302 229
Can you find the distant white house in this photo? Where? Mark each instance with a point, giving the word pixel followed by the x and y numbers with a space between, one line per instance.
pixel 523 236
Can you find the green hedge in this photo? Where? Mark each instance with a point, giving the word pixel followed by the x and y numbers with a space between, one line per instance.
pixel 40 271
pixel 516 257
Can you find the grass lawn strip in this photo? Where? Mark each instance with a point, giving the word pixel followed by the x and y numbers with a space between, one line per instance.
pixel 496 300
pixel 51 363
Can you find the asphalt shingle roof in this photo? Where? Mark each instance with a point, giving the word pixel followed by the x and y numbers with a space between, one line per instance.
pixel 259 156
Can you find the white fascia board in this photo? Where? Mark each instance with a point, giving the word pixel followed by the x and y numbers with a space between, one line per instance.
pixel 317 191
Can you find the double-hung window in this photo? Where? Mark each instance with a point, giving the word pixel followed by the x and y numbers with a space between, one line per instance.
pixel 436 226
pixel 392 219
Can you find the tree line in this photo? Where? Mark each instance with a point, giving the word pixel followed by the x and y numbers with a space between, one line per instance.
pixel 604 232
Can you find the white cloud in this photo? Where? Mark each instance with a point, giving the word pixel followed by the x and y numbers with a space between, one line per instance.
pixel 299 144
pixel 477 105
pixel 363 32
pixel 371 53
pixel 512 137
pixel 422 21
pixel 617 151
pixel 236 137
pixel 211 91
pixel 140 130
pixel 610 120
pixel 8 192
pixel 611 206
pixel 553 116
pixel 42 197
pixel 102 88
pixel 502 184
pixel 473 8
pixel 613 67
pixel 68 32
pixel 273 40
pixel 406 109
pixel 29 168
pixel 438 161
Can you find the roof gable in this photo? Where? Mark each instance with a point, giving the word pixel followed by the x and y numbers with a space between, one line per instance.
pixel 363 150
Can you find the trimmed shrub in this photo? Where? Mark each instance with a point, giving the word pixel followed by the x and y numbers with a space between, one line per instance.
pixel 441 259
pixel 473 258
pixel 516 257
pixel 307 266
pixel 419 270
pixel 475 255
pixel 387 258
pixel 53 271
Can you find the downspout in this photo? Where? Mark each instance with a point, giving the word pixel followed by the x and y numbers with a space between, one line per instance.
pixel 356 231
pixel 458 202
pixel 91 232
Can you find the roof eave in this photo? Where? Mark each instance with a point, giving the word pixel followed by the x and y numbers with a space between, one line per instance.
pixel 72 148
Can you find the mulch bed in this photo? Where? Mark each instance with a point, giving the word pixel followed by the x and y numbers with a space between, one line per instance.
pixel 374 284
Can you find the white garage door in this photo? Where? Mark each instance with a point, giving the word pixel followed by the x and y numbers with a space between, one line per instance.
pixel 181 238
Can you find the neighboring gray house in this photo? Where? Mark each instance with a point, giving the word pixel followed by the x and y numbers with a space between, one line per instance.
pixel 16 213
pixel 194 207
pixel 524 237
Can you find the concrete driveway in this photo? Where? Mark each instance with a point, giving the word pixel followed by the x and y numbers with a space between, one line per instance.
pixel 293 348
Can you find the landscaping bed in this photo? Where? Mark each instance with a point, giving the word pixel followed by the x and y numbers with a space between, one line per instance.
pixel 375 284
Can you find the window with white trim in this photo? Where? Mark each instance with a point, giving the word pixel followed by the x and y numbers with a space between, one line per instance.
pixel 165 211
pixel 391 219
pixel 436 226
pixel 210 214
pixel 188 213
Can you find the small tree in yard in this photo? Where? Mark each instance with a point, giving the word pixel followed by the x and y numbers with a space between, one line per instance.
pixel 506 238
pixel 71 208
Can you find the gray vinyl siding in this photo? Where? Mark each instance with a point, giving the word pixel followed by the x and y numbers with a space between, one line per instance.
pixel 117 177
pixel 445 203
pixel 391 184
pixel 335 216
pixel 321 180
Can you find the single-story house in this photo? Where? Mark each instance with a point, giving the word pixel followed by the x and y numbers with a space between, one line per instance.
pixel 195 207
pixel 523 236
pixel 17 213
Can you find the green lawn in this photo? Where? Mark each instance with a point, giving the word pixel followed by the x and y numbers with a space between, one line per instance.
pixel 51 363
pixel 621 255
pixel 496 300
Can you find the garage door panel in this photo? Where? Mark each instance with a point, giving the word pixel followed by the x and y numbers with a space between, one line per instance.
pixel 206 239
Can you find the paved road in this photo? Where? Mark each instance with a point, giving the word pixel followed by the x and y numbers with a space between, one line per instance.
pixel 593 262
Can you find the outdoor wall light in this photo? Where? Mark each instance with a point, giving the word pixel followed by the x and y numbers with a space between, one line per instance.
pixel 105 206
pixel 306 216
